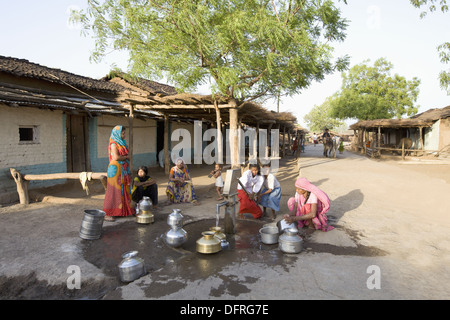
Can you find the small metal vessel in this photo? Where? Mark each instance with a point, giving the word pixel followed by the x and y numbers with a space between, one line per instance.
pixel 175 237
pixel 175 219
pixel 143 214
pixel 131 267
pixel 208 243
pixel 218 233
pixel 92 224
pixel 269 234
pixel 290 242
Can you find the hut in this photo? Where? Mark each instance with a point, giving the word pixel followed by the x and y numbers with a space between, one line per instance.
pixel 429 132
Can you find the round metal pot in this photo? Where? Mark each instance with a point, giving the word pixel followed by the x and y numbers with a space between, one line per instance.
pixel 208 243
pixel 145 218
pixel 145 204
pixel 175 219
pixel 176 237
pixel 91 225
pixel 269 235
pixel 290 241
pixel 131 267
pixel 218 233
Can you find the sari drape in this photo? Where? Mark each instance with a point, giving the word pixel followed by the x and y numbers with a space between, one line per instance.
pixel 118 190
pixel 323 205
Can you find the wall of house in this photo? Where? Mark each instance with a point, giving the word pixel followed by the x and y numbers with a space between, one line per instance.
pixel 431 137
pixel 444 133
pixel 144 141
pixel 46 154
pixel 176 142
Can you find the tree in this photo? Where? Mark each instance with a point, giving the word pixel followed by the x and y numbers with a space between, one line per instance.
pixel 370 92
pixel 320 117
pixel 444 48
pixel 245 49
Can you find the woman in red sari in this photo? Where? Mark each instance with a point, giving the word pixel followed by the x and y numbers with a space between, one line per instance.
pixel 118 190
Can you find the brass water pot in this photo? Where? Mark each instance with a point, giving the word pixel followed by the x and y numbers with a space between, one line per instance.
pixel 218 233
pixel 208 243
pixel 146 217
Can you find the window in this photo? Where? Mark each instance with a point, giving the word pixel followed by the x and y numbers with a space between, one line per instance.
pixel 28 134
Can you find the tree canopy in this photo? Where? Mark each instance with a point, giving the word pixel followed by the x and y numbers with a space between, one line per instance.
pixel 370 92
pixel 244 49
pixel 320 117
pixel 444 48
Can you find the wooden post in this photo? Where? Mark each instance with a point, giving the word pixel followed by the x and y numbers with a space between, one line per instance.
pixel 233 133
pixel 130 137
pixel 166 145
pixel 403 150
pixel 219 134
pixel 22 186
pixel 283 151
pixel 421 140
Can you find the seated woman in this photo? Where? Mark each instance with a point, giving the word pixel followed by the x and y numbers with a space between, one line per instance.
pixel 144 186
pixel 309 206
pixel 271 192
pixel 252 182
pixel 180 188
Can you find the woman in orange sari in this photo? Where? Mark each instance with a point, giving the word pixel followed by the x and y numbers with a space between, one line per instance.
pixel 118 190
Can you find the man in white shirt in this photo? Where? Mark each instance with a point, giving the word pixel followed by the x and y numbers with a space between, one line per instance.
pixel 252 182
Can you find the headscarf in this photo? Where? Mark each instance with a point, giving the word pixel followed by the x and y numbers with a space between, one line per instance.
pixel 185 168
pixel 120 143
pixel 323 204
pixel 304 184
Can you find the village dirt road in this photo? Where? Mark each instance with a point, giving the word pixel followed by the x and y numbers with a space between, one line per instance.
pixel 391 241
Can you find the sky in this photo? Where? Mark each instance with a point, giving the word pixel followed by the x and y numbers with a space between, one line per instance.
pixel 39 31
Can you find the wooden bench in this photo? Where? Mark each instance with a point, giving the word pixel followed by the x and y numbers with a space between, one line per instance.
pixel 22 181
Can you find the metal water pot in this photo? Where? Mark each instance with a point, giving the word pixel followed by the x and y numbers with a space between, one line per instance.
pixel 290 241
pixel 145 205
pixel 131 267
pixel 208 243
pixel 175 237
pixel 175 219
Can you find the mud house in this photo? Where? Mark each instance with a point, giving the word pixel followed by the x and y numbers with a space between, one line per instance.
pixel 429 132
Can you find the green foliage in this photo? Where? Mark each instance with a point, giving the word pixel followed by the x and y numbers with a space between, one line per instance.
pixel 320 117
pixel 245 49
pixel 443 49
pixel 370 92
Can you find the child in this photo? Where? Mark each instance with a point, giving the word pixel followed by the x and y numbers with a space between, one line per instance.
pixel 271 192
pixel 309 206
pixel 217 173
pixel 145 186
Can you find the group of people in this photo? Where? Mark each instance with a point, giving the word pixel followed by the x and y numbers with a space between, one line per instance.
pixel 121 190
pixel 257 186
pixel 308 207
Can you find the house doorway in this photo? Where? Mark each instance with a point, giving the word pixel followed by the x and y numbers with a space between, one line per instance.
pixel 77 141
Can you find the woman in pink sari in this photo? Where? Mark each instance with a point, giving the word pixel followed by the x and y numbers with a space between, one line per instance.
pixel 309 206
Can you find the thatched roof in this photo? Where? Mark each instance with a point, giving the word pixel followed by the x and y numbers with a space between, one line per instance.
pixel 424 119
pixel 27 69
pixel 150 99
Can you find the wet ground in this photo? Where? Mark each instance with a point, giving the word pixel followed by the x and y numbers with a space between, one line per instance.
pixel 186 263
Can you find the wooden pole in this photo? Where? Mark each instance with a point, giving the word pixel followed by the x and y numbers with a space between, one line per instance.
pixel 234 136
pixel 166 145
pixel 421 140
pixel 22 186
pixel 219 134
pixel 403 150
pixel 283 151
pixel 130 137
